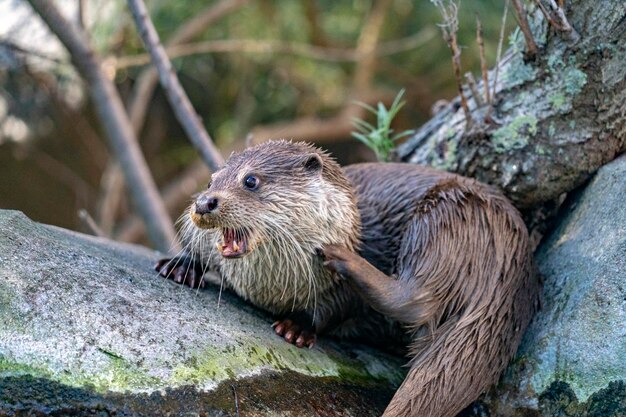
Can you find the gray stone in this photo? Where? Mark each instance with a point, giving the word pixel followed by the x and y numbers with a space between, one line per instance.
pixel 576 345
pixel 86 321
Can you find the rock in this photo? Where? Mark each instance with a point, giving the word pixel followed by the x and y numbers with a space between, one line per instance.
pixel 87 327
pixel 572 360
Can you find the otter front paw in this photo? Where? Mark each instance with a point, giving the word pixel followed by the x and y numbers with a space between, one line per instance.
pixel 182 270
pixel 294 333
pixel 342 261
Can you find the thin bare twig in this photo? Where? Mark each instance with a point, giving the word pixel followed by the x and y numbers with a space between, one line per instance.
pixel 498 57
pixel 82 14
pixel 449 28
pixel 90 223
pixel 471 83
pixel 111 196
pixel 522 19
pixel 177 97
pixel 483 60
pixel 118 130
pixel 316 32
pixel 13 47
pixel 546 13
pixel 557 19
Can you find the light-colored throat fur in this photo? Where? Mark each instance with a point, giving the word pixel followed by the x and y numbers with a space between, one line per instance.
pixel 283 273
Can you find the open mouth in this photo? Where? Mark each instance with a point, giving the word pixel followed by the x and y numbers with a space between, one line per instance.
pixel 234 243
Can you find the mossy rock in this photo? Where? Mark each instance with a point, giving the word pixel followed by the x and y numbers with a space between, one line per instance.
pixel 572 361
pixel 87 326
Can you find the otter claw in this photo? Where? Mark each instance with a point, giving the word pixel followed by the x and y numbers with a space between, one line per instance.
pixel 295 334
pixel 182 271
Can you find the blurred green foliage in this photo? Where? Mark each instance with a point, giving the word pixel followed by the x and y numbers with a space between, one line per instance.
pixel 233 92
pixel 236 91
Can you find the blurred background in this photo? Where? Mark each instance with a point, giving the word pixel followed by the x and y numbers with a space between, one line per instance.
pixel 280 69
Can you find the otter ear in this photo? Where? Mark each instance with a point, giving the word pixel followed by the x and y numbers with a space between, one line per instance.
pixel 312 162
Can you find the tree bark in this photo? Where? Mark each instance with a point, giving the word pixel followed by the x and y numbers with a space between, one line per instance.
pixel 557 118
pixel 115 122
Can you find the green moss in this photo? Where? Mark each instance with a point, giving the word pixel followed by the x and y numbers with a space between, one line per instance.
pixel 450 156
pixel 555 63
pixel 515 135
pixel 120 376
pixel 10 368
pixel 268 392
pixel 211 366
pixel 214 365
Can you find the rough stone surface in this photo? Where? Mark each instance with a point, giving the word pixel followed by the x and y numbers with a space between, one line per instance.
pixel 572 360
pixel 85 323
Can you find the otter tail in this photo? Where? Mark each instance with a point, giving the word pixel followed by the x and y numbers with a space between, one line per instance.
pixel 468 269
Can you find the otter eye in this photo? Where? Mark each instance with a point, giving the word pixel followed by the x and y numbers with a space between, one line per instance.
pixel 251 182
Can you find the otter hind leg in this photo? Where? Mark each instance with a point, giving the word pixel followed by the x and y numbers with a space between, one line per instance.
pixel 183 270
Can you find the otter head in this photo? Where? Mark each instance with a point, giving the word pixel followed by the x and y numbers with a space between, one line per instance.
pixel 292 197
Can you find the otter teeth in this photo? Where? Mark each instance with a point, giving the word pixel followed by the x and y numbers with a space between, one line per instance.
pixel 219 246
pixel 235 246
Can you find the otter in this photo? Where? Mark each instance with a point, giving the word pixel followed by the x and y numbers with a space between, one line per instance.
pixel 391 252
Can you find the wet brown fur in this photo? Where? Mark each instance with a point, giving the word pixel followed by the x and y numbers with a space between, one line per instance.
pixel 442 260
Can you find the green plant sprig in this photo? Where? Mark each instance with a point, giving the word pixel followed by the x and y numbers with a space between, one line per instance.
pixel 380 138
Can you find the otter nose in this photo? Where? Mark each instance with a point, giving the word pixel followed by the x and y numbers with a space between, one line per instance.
pixel 206 204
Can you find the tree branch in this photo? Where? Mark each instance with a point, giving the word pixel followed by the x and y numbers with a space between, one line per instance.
pixel 522 19
pixel 367 44
pixel 111 113
pixel 177 97
pixel 175 194
pixel 551 132
pixel 147 80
